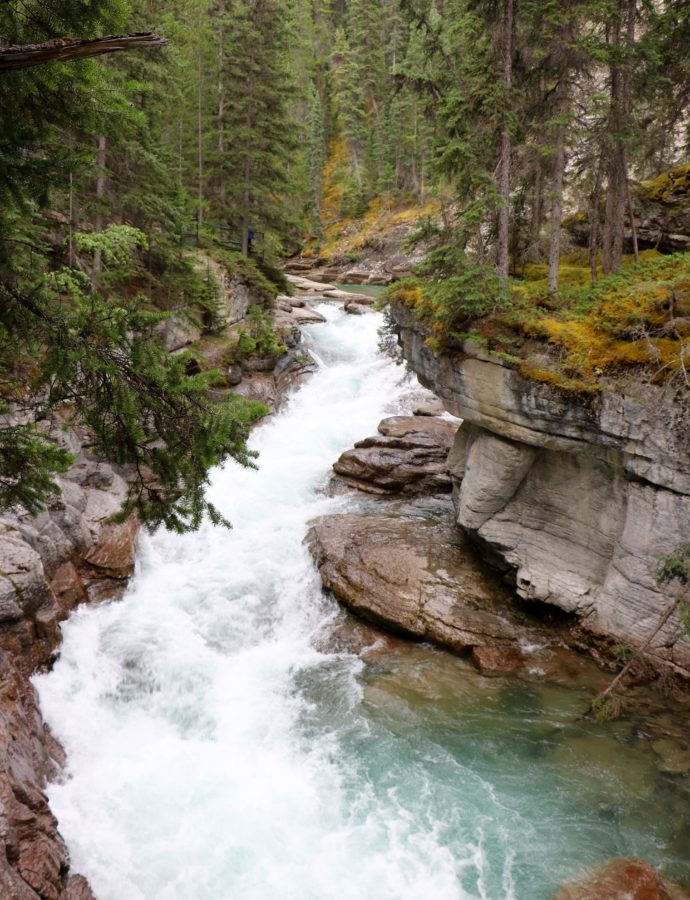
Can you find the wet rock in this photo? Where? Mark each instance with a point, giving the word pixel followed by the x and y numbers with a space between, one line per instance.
pixel 347 296
pixel 407 456
pixel 675 759
pixel 497 660
pixel 285 301
pixel 33 856
pixel 357 309
pixel 307 316
pixel 292 369
pixel 68 588
pixel 115 552
pixel 623 879
pixel 432 408
pixel 260 387
pixel 78 889
pixel 408 569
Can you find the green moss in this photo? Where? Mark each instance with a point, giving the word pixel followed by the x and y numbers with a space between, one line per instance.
pixel 588 332
pixel 265 285
pixel 672 186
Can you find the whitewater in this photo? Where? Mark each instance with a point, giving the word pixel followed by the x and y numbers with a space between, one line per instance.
pixel 218 749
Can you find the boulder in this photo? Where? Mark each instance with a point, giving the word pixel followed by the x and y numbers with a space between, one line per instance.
pixel 357 309
pixel 307 286
pixel 623 879
pixel 307 316
pixel 115 551
pixel 348 296
pixel 431 408
pixel 178 330
pixel 407 456
pixel 408 569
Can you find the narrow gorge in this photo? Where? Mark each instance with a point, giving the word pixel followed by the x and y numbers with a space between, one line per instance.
pixel 226 703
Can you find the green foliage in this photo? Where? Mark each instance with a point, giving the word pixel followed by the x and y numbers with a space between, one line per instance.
pixel 675 566
pixel 28 464
pixel 623 653
pixel 265 280
pixel 101 364
pixel 259 339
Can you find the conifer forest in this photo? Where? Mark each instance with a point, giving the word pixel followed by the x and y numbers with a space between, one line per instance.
pixel 246 650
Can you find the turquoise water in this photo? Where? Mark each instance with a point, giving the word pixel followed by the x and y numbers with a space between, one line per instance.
pixel 221 747
pixel 371 290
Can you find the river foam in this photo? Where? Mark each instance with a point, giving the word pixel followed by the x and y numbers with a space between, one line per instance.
pixel 214 752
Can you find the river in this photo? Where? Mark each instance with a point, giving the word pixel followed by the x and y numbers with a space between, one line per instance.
pixel 218 750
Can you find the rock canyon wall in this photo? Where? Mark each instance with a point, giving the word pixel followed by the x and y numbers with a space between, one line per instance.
pixel 578 497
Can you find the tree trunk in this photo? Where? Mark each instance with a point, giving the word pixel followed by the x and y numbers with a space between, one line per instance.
pixel 593 245
pixel 503 244
pixel 199 138
pixel 221 109
pixel 557 207
pixel 65 50
pixel 100 200
pixel 619 119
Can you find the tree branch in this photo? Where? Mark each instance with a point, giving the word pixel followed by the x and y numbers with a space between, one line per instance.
pixel 67 49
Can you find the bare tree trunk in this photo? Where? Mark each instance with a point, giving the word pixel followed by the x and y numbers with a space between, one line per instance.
pixel 663 619
pixel 200 145
pixel 221 108
pixel 100 200
pixel 633 225
pixel 503 244
pixel 594 223
pixel 557 206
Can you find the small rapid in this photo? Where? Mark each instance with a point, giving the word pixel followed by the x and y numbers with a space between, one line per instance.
pixel 215 752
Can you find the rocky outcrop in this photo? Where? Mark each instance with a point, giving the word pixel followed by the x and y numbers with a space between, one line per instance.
pixel 578 497
pixel 406 567
pixel 661 217
pixel 407 456
pixel 68 554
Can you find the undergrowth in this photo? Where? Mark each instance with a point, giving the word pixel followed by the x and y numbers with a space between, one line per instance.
pixel 638 318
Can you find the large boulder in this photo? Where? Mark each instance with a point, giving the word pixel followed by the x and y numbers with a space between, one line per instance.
pixel 408 569
pixel 407 456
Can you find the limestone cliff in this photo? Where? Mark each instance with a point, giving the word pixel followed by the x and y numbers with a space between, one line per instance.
pixel 578 496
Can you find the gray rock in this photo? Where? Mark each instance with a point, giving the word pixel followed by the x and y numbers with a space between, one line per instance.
pixel 579 498
pixel 407 456
pixel 411 571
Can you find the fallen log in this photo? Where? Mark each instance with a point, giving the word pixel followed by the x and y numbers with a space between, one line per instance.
pixel 68 49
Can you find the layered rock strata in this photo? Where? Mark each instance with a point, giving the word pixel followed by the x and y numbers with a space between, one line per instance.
pixel 405 566
pixel 579 497
pixel 407 456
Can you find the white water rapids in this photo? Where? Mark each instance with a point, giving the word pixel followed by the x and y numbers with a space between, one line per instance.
pixel 215 754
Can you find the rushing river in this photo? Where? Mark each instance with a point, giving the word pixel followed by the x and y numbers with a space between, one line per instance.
pixel 214 753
